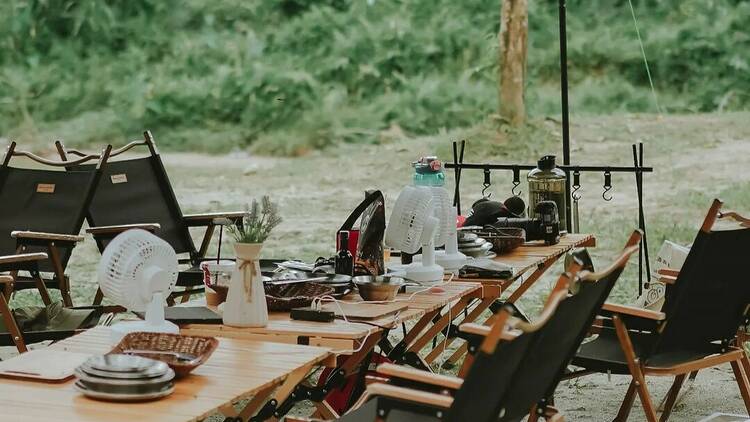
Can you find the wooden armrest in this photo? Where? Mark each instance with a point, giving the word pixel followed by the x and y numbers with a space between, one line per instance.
pixel 5 279
pixel 24 257
pixel 484 330
pixel 413 374
pixel 407 394
pixel 633 311
pixel 46 236
pixel 104 230
pixel 474 328
pixel 671 272
pixel 666 279
pixel 217 218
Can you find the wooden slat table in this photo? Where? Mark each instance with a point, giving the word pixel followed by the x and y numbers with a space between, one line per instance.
pixel 238 369
pixel 529 262
pixel 357 340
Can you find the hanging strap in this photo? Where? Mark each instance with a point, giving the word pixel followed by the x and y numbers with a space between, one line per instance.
pixel 369 200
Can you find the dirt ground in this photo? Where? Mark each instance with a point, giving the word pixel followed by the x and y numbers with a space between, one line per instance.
pixel 696 158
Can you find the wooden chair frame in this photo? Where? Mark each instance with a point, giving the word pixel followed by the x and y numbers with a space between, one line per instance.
pixel 208 220
pixel 51 241
pixel 733 354
pixel 409 388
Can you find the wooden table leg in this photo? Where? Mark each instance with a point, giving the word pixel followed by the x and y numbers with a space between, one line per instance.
pixel 438 326
pixel 531 279
pixel 258 400
pixel 473 315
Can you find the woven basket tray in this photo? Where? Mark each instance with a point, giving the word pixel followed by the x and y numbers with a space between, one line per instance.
pixel 200 347
pixel 503 240
pixel 285 297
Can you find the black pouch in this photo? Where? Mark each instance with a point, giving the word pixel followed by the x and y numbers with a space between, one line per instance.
pixel 368 254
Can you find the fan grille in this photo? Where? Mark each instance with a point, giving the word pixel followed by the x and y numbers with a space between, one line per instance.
pixel 124 266
pixel 405 226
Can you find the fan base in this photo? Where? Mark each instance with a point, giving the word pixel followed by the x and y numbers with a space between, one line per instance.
pixel 120 329
pixel 424 274
pixel 450 261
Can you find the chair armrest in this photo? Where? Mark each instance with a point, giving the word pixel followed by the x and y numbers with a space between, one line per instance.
pixel 217 218
pixel 406 394
pixel 483 330
pixel 24 257
pixel 114 230
pixel 424 377
pixel 31 235
pixel 5 279
pixel 633 311
pixel 671 272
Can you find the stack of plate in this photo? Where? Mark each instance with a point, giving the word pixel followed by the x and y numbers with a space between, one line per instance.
pixel 124 378
pixel 472 245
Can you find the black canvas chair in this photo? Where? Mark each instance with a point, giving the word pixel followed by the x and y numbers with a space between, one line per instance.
pixel 136 193
pixel 508 380
pixel 706 304
pixel 41 214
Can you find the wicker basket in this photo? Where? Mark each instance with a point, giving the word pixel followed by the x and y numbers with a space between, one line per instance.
pixel 503 240
pixel 200 347
pixel 285 297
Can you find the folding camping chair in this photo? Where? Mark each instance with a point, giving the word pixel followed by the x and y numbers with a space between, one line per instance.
pixel 706 305
pixel 41 214
pixel 508 379
pixel 136 193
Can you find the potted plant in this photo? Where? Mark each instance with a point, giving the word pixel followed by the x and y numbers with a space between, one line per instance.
pixel 246 300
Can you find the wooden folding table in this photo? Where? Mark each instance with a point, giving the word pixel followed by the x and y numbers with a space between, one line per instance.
pixel 238 369
pixel 357 340
pixel 529 262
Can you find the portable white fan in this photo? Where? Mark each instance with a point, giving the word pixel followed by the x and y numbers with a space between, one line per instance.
pixel 137 272
pixel 412 225
pixel 450 258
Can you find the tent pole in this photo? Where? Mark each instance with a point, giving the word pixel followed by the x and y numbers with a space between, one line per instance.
pixel 564 104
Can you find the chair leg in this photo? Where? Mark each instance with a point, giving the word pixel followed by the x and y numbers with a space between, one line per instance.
pixel 12 326
pixel 634 366
pixel 63 281
pixel 627 403
pixel 98 297
pixel 43 292
pixel 672 396
pixel 742 382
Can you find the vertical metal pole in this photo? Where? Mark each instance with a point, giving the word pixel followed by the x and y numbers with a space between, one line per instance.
pixel 564 104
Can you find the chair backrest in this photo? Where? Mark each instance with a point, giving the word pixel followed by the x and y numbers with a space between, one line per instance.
pixel 136 191
pixel 44 200
pixel 709 300
pixel 506 384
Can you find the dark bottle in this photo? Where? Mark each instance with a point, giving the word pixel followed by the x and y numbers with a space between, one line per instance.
pixel 344 261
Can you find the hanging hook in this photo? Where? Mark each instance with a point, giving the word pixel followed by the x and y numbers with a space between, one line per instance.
pixel 487 183
pixel 576 186
pixel 607 186
pixel 516 182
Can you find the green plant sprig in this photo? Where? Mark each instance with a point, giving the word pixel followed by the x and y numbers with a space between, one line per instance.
pixel 258 222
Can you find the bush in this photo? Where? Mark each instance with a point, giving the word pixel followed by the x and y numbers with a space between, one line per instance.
pixel 288 76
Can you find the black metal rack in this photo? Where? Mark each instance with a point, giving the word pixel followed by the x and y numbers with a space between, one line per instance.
pixel 638 169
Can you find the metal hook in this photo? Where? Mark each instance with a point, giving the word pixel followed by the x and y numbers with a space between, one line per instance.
pixel 487 183
pixel 607 186
pixel 576 186
pixel 516 182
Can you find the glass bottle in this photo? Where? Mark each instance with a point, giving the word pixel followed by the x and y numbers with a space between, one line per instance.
pixel 547 183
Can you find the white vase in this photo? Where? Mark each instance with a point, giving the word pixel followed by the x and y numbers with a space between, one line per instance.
pixel 246 300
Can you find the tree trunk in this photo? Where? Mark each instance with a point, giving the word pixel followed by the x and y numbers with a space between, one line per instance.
pixel 513 39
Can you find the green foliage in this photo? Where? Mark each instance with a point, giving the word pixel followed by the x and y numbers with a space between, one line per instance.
pixel 289 76
pixel 257 223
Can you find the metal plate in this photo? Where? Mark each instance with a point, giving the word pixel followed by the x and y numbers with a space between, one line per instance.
pixel 142 381
pixel 123 397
